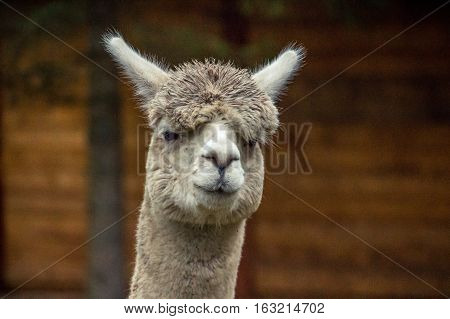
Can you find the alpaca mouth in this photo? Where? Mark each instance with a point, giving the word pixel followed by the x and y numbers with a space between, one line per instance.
pixel 219 189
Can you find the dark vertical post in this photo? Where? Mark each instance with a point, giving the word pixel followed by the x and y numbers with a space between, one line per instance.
pixel 235 30
pixel 106 273
pixel 2 212
pixel 235 24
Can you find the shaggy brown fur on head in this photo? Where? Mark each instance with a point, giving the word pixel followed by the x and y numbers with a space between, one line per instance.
pixel 197 93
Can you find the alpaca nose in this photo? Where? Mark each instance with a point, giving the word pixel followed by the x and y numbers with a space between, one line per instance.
pixel 221 155
pixel 221 162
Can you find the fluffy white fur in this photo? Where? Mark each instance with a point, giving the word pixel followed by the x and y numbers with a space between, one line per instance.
pixel 146 75
pixel 274 77
pixel 205 168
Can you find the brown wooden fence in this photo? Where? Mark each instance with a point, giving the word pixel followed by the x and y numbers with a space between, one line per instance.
pixel 378 149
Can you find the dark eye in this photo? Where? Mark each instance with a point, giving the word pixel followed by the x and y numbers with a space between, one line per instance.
pixel 170 136
pixel 252 143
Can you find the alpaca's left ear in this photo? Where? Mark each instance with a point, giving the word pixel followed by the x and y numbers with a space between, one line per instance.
pixel 273 77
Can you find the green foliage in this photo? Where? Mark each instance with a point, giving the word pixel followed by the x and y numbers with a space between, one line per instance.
pixel 57 16
pixel 353 12
pixel 27 76
pixel 193 43
pixel 350 12
pixel 269 9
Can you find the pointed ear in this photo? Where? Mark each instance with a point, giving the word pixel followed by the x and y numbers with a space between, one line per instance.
pixel 273 77
pixel 147 76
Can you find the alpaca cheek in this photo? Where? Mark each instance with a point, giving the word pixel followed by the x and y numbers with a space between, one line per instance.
pixel 184 158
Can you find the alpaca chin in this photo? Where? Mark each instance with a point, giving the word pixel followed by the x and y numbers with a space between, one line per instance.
pixel 216 200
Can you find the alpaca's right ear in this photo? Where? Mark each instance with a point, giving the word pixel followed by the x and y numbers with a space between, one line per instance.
pixel 147 76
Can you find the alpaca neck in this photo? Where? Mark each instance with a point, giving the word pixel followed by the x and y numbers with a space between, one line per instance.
pixel 177 260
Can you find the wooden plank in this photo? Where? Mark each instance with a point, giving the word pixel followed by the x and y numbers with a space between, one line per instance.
pixel 416 246
pixel 53 237
pixel 282 282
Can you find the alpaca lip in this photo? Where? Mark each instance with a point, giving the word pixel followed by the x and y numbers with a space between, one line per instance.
pixel 217 190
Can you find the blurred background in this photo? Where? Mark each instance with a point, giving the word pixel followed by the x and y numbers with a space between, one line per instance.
pixel 379 148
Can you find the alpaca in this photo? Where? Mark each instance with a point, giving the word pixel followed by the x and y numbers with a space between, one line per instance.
pixel 204 167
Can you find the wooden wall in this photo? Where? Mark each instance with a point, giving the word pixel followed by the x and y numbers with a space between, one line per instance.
pixel 378 148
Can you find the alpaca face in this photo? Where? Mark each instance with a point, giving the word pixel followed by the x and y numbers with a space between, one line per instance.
pixel 209 121
pixel 206 176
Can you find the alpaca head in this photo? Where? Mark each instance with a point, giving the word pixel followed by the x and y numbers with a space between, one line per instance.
pixel 210 121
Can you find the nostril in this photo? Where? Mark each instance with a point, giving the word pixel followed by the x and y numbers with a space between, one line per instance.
pixel 231 160
pixel 208 157
pixel 211 158
pixel 221 162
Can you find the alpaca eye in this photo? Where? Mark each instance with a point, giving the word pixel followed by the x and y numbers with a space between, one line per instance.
pixel 170 136
pixel 251 143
